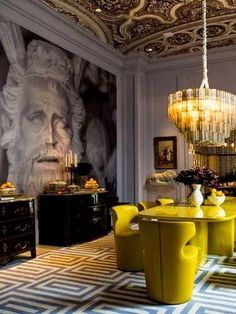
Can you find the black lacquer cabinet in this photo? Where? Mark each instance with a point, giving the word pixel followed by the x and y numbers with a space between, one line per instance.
pixel 17 228
pixel 65 219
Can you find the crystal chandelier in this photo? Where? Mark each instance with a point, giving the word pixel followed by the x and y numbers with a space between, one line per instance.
pixel 204 116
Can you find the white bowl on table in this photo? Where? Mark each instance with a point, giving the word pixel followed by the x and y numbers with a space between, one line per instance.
pixel 216 200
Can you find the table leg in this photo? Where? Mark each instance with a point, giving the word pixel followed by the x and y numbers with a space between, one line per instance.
pixel 234 234
pixel 33 253
pixel 221 237
pixel 200 241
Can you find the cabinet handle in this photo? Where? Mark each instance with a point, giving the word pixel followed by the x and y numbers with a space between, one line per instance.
pixel 21 228
pixel 3 211
pixel 21 247
pixel 4 230
pixel 77 216
pixel 17 210
pixel 97 209
pixel 95 198
pixel 21 211
pixel 4 247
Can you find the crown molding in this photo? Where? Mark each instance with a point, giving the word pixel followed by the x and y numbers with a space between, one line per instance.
pixel 216 55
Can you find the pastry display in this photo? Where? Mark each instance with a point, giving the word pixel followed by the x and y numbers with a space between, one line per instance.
pixel 91 184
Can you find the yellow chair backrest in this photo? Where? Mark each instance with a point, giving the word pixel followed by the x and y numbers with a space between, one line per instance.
pixel 122 216
pixel 142 205
pixel 164 201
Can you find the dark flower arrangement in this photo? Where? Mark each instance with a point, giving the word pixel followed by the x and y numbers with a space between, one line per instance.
pixel 198 175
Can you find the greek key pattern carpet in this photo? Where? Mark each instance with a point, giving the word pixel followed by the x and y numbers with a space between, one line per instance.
pixel 84 279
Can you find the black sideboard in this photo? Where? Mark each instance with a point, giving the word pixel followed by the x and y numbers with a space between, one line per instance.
pixel 17 227
pixel 65 219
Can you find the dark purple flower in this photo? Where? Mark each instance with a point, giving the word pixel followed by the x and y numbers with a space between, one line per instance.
pixel 198 175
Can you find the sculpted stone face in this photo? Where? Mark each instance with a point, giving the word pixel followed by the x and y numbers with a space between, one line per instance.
pixel 41 111
pixel 45 122
pixel 45 134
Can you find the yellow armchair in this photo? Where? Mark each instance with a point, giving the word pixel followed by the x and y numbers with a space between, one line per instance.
pixel 169 264
pixel 127 241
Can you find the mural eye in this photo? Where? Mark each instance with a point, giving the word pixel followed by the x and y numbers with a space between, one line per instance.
pixel 36 119
pixel 61 123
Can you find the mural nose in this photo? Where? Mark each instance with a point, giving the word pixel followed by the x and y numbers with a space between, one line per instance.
pixel 50 138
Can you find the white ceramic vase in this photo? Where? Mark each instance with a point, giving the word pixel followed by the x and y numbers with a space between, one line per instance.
pixel 196 196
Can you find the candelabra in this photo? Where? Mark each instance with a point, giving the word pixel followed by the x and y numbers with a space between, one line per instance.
pixel 70 170
pixel 71 163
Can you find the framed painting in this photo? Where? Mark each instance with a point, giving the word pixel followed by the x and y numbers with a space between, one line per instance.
pixel 165 152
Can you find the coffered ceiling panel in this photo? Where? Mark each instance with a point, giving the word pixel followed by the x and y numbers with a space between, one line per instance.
pixel 153 27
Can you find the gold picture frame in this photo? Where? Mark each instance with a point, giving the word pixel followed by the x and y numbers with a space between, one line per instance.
pixel 165 152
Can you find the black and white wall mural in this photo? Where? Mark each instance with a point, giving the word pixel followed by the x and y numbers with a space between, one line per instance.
pixel 53 102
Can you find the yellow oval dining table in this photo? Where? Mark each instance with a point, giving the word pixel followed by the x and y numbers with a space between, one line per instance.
pixel 215 227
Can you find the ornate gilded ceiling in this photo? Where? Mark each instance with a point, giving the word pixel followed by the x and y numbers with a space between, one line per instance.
pixel 154 27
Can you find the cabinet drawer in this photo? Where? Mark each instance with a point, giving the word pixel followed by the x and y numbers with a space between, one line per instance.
pixel 83 201
pixel 98 211
pixel 15 210
pixel 95 211
pixel 99 226
pixel 16 245
pixel 16 227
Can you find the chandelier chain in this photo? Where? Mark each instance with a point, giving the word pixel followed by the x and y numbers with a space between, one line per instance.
pixel 204 56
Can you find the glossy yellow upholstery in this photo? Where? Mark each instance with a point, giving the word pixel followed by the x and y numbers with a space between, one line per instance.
pixel 142 205
pixel 127 241
pixel 169 264
pixel 164 201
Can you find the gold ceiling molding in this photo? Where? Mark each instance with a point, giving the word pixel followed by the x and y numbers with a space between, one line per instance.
pixel 141 25
pixel 79 15
pixel 186 40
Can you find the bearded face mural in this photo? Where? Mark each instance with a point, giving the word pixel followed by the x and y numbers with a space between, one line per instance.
pixel 47 132
pixel 43 114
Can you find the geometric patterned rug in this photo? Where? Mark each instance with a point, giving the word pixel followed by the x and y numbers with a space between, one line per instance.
pixel 84 279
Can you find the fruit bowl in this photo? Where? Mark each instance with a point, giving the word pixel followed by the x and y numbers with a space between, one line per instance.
pixel 7 191
pixel 216 200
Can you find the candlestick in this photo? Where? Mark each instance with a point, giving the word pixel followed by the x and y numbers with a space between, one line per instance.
pixel 71 163
pixel 71 158
pixel 75 160
pixel 66 160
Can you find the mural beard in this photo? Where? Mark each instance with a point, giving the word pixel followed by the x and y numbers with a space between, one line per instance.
pixel 36 171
